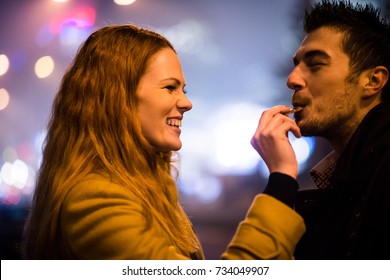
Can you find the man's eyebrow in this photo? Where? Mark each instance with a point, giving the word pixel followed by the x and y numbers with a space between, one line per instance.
pixel 312 54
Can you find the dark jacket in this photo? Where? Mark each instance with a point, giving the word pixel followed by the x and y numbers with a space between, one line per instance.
pixel 351 219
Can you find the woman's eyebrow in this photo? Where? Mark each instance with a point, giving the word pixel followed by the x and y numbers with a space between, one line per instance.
pixel 176 81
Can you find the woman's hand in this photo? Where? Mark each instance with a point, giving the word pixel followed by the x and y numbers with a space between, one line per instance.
pixel 272 143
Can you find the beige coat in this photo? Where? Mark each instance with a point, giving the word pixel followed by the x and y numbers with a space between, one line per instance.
pixel 102 220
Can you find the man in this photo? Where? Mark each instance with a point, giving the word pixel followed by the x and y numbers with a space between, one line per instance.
pixel 340 92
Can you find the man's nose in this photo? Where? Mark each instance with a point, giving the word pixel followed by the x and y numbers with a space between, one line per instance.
pixel 295 80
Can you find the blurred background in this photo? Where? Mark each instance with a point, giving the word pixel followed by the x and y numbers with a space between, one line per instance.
pixel 236 57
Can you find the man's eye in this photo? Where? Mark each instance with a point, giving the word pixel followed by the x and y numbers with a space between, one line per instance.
pixel 315 64
pixel 315 67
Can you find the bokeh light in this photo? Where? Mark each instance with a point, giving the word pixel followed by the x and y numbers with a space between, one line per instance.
pixel 4 98
pixel 205 189
pixel 232 129
pixel 303 148
pixel 4 64
pixel 124 2
pixel 44 67
pixel 79 17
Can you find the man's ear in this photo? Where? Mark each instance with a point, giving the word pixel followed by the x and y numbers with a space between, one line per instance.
pixel 375 79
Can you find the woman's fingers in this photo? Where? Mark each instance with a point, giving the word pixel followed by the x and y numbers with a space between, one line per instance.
pixel 271 140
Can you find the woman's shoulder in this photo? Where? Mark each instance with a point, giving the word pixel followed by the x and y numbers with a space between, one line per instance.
pixel 101 219
pixel 97 190
pixel 99 185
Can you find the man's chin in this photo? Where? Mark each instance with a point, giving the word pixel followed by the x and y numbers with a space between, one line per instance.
pixel 304 129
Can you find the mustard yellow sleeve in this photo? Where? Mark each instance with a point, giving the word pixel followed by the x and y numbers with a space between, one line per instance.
pixel 270 231
pixel 101 220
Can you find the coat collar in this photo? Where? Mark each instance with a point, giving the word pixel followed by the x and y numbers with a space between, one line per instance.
pixel 371 136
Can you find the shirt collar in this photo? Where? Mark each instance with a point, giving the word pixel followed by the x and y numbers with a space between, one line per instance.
pixel 321 172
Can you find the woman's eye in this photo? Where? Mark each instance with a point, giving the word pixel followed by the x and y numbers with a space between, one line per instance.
pixel 170 88
pixel 174 88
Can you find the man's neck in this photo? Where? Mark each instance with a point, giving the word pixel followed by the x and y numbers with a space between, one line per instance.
pixel 340 139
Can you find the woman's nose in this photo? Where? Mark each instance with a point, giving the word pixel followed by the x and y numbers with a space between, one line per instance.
pixel 184 103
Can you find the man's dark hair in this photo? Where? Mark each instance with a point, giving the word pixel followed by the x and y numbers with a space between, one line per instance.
pixel 366 33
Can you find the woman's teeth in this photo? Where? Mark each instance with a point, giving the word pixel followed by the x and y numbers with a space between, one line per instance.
pixel 172 122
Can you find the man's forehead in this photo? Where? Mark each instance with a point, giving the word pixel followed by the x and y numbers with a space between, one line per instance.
pixel 322 40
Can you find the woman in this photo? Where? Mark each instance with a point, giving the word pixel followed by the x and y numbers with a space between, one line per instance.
pixel 105 190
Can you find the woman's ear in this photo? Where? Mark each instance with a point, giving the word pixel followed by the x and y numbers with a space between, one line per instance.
pixel 376 78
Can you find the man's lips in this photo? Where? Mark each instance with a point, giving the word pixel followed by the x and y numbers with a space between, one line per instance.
pixel 294 110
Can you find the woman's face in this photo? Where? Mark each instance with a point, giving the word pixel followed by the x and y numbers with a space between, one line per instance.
pixel 162 101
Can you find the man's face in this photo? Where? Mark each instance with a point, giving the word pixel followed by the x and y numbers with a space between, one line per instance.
pixel 319 79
